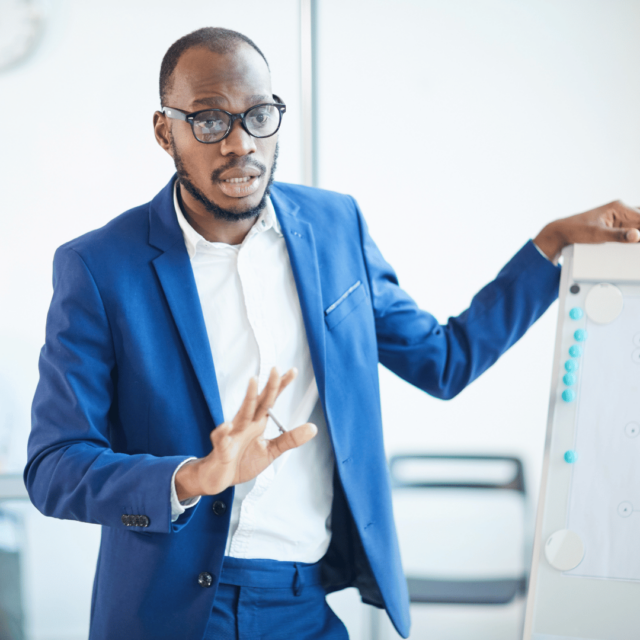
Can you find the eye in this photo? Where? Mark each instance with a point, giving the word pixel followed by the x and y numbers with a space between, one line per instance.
pixel 211 122
pixel 262 120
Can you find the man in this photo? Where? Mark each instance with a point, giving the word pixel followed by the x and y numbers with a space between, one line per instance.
pixel 158 376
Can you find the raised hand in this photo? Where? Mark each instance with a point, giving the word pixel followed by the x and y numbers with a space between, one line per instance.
pixel 240 450
pixel 613 222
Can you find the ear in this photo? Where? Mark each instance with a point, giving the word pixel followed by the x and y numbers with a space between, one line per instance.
pixel 162 131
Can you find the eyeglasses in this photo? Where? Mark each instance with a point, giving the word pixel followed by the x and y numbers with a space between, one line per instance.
pixel 214 125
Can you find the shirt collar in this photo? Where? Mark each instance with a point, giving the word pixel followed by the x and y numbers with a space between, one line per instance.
pixel 192 239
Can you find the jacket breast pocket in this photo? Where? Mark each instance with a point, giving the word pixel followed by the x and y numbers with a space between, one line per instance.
pixel 354 296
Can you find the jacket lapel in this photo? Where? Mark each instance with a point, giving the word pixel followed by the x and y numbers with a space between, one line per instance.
pixel 300 242
pixel 176 278
pixel 174 271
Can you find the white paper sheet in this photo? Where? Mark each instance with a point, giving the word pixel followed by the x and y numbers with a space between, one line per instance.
pixel 604 502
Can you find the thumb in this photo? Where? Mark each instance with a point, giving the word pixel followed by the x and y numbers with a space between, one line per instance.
pixel 292 439
pixel 220 432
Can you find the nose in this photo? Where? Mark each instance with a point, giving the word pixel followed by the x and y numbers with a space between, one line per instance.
pixel 238 142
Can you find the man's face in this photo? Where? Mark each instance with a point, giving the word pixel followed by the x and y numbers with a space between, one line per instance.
pixel 229 178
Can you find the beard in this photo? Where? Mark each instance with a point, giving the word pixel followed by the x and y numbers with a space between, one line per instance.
pixel 218 212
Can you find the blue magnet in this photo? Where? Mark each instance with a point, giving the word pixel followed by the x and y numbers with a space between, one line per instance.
pixel 571 366
pixel 575 350
pixel 568 395
pixel 580 335
pixel 569 379
pixel 570 456
pixel 575 313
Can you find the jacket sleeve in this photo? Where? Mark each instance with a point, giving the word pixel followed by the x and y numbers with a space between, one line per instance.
pixel 71 471
pixel 443 359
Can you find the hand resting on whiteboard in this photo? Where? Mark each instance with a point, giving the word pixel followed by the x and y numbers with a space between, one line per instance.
pixel 613 222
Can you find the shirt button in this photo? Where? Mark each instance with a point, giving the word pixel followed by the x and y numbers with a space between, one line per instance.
pixel 219 508
pixel 205 579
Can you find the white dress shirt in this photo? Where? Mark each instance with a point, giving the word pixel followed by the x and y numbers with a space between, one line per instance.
pixel 254 322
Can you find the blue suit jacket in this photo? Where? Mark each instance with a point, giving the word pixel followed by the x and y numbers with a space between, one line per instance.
pixel 128 390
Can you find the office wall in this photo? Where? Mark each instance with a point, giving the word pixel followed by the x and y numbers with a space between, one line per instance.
pixel 462 128
pixel 76 149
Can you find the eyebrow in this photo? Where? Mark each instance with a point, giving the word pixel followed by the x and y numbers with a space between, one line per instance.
pixel 214 101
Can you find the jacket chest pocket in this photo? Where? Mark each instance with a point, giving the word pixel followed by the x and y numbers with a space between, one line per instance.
pixel 354 296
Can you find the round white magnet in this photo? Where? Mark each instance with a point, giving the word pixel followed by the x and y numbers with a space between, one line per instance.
pixel 625 509
pixel 564 550
pixel 604 303
pixel 632 429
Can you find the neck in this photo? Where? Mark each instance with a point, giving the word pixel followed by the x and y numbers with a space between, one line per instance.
pixel 210 228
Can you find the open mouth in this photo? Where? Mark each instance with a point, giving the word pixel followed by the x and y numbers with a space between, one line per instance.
pixel 240 187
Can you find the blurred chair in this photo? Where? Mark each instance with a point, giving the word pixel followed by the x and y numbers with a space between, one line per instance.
pixel 11 539
pixel 46 569
pixel 462 527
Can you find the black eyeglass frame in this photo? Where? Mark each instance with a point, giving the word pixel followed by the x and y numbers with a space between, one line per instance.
pixel 177 114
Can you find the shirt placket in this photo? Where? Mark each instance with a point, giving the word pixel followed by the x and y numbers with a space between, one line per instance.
pixel 249 274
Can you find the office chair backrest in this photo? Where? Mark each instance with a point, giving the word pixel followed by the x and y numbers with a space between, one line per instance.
pixel 461 525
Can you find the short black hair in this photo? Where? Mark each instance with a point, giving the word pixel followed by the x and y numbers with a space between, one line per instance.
pixel 216 39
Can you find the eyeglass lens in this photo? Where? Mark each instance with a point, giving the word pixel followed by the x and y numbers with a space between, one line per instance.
pixel 261 121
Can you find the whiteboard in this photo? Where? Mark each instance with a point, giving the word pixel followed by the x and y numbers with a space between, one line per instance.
pixel 585 575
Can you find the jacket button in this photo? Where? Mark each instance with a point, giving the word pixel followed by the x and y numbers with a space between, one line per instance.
pixel 126 520
pixel 144 521
pixel 219 508
pixel 205 579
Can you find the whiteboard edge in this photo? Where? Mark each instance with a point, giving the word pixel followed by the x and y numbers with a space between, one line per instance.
pixel 565 277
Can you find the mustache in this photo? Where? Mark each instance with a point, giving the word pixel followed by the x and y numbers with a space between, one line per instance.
pixel 237 163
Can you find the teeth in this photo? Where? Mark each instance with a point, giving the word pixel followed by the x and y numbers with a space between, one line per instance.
pixel 239 180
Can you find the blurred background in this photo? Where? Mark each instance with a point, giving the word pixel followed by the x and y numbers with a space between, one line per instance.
pixel 461 126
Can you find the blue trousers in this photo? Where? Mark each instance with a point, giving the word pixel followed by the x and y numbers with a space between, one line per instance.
pixel 272 600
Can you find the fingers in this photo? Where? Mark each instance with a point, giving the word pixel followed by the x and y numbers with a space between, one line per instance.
pixel 287 379
pixel 269 394
pixel 632 235
pixel 254 407
pixel 623 217
pixel 248 408
pixel 292 439
pixel 274 387
pixel 608 234
pixel 627 209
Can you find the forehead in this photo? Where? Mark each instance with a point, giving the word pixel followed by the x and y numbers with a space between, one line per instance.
pixel 204 78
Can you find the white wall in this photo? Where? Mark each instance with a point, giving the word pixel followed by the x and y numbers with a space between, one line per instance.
pixel 494 118
pixel 77 148
pixel 462 128
pixel 529 113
